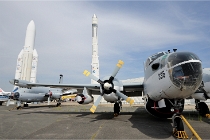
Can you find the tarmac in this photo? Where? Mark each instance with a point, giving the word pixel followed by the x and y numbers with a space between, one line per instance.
pixel 74 121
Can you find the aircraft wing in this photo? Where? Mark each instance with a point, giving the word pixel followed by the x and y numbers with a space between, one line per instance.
pixel 129 88
pixel 79 87
pixel 133 89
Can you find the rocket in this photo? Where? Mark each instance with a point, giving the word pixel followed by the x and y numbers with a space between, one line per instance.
pixel 95 61
pixel 26 68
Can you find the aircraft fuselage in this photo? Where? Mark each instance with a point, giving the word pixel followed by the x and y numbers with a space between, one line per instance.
pixel 173 76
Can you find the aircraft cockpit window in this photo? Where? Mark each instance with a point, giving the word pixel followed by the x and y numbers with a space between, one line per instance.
pixel 148 62
pixel 186 74
pixel 154 57
pixel 179 57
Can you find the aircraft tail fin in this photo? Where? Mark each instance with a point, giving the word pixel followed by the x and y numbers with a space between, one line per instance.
pixel 1 90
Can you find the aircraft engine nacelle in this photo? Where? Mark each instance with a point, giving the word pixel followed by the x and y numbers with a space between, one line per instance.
pixel 84 99
pixel 112 97
pixel 56 95
pixel 15 96
pixel 199 96
pixel 28 97
pixel 206 81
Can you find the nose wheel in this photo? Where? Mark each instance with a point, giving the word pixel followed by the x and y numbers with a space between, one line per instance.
pixel 58 104
pixel 178 127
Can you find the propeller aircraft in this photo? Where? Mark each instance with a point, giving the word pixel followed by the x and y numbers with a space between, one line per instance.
pixel 169 78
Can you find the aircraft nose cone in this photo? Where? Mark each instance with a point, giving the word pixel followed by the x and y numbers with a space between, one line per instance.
pixel 187 75
pixel 107 86
pixel 78 98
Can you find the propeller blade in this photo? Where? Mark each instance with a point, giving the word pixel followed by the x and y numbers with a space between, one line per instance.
pixel 117 68
pixel 88 74
pixel 8 102
pixel 93 108
pixel 128 99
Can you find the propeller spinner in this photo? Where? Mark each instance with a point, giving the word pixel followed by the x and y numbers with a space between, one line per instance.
pixel 107 86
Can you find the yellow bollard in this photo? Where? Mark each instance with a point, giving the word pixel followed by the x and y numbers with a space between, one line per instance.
pixel 190 127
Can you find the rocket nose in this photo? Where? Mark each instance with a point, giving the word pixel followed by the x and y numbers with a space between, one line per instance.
pixel 94 16
pixel 31 25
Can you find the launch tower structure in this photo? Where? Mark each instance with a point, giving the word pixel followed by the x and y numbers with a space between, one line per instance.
pixel 26 68
pixel 95 61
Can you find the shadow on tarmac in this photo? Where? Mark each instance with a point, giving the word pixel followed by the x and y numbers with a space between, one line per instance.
pixel 151 126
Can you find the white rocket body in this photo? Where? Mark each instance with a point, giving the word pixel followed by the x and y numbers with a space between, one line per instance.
pixel 27 59
pixel 95 61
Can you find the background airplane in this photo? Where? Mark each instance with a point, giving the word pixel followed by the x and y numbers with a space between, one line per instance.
pixel 4 96
pixel 4 93
pixel 38 94
pixel 24 94
pixel 169 79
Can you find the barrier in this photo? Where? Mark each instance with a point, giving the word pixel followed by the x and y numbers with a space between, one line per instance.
pixel 190 127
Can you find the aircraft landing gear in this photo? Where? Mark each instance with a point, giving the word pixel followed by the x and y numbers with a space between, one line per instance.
pixel 117 107
pixel 58 104
pixel 202 108
pixel 25 105
pixel 19 107
pixel 178 127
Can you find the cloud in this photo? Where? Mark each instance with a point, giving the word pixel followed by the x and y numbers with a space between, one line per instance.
pixel 130 31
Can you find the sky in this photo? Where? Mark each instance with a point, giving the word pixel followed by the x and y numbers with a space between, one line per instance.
pixel 127 30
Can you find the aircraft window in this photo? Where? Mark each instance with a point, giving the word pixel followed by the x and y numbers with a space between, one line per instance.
pixel 186 75
pixel 154 57
pixel 179 57
pixel 163 63
pixel 157 55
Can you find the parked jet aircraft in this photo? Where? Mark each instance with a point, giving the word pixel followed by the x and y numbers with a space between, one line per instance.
pixel 38 94
pixel 4 96
pixel 4 93
pixel 169 79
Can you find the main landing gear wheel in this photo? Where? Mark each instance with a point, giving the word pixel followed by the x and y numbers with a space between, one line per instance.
pixel 116 109
pixel 19 107
pixel 203 109
pixel 58 104
pixel 178 127
pixel 25 105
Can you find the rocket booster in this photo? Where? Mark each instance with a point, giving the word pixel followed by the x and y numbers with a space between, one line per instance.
pixel 28 58
pixel 95 61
